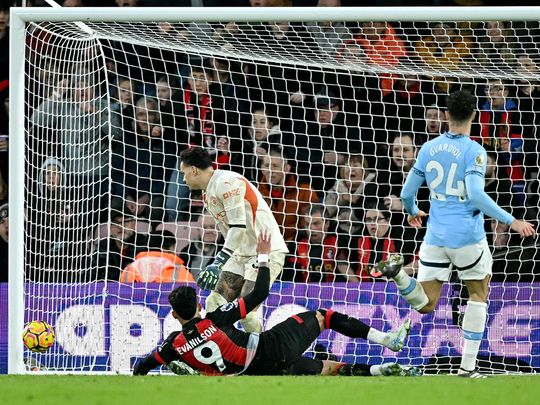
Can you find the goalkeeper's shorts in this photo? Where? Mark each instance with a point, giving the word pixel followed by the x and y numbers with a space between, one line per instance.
pixel 472 262
pixel 247 266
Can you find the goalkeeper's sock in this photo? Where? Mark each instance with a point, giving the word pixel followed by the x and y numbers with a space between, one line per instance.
pixel 355 370
pixel 347 325
pixel 474 324
pixel 251 323
pixel 411 290
pixel 214 301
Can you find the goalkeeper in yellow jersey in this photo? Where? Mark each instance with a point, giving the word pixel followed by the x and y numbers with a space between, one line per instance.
pixel 240 213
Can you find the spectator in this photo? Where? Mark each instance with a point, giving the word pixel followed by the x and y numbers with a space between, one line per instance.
pixel 199 109
pixel 114 253
pixel 379 44
pixel 140 172
pixel 4 236
pixel 329 35
pixel 200 113
pixel 402 157
pixel 403 106
pixel 528 99
pixel 172 115
pixel 264 130
pixel 355 184
pixel 54 223
pixel 287 197
pixel 231 110
pixel 322 144
pixel 281 85
pixel 79 122
pixel 435 124
pixel 377 242
pixel 349 229
pixel 201 252
pixel 500 129
pixel 123 108
pixel 496 46
pixel 158 265
pixel 446 49
pixel 315 252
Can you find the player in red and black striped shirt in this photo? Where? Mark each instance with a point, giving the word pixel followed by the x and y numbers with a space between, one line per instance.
pixel 213 346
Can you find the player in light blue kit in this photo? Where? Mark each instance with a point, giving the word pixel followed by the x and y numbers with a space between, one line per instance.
pixel 453 166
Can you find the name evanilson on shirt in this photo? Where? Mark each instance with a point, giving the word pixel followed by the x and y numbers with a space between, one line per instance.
pixel 191 344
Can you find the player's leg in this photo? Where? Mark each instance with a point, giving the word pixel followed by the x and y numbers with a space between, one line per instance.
pixel 422 293
pixel 283 344
pixel 474 268
pixel 355 328
pixel 309 366
pixel 252 322
pixel 330 367
pixel 229 285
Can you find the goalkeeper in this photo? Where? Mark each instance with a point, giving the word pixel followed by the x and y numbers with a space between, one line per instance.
pixel 241 213
pixel 213 346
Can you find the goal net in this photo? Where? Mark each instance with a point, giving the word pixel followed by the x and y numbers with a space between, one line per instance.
pixel 324 117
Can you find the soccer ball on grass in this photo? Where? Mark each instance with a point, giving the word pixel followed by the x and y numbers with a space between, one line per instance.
pixel 38 336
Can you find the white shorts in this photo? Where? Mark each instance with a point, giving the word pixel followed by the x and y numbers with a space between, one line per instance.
pixel 472 262
pixel 247 266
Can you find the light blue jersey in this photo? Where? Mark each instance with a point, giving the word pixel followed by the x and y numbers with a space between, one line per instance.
pixel 455 219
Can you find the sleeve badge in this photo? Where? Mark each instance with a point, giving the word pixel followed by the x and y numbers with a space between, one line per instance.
pixel 479 160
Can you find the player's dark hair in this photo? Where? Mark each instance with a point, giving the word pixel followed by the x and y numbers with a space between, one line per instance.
pixel 197 157
pixel 461 105
pixel 183 301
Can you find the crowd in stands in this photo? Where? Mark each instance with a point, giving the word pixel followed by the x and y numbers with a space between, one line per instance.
pixel 329 149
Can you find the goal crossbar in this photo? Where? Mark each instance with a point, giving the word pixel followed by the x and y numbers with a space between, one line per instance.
pixel 248 14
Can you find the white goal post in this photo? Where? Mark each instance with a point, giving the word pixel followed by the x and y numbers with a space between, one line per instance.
pixel 88 28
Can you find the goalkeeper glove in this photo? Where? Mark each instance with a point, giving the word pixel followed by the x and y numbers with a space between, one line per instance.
pixel 208 278
pixel 180 368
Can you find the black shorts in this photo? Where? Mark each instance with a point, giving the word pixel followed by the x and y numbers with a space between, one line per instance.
pixel 284 344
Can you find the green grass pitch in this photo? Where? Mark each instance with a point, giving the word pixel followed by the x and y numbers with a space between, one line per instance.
pixel 196 390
